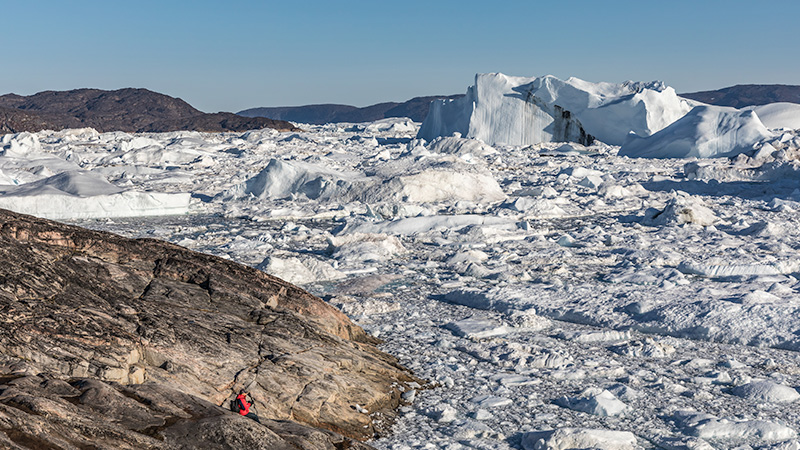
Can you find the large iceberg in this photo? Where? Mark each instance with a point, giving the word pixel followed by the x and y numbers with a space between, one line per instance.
pixel 501 109
pixel 705 132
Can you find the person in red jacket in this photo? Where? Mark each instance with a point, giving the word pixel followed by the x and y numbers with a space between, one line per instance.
pixel 243 405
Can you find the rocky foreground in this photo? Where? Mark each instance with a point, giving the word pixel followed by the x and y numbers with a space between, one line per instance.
pixel 110 342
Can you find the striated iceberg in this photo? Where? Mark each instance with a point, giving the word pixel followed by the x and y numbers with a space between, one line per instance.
pixel 501 109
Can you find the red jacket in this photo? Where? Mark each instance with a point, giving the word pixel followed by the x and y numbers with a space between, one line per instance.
pixel 244 406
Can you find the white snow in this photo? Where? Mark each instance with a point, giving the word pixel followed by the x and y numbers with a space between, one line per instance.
pixel 281 179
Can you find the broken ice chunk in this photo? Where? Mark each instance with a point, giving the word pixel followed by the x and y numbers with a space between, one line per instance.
pixel 491 401
pixel 478 328
pixel 567 438
pixel 766 391
pixel 594 401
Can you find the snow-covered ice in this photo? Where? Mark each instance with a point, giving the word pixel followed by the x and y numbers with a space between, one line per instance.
pixel 553 295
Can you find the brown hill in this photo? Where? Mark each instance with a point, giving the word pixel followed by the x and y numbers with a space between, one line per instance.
pixel 130 110
pixel 15 120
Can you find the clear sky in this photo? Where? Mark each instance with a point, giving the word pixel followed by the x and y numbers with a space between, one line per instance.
pixel 232 55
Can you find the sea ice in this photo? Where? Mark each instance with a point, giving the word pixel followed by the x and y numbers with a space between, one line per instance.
pixel 579 438
pixel 595 401
pixel 299 270
pixel 491 401
pixel 478 328
pixel 363 247
pixel 731 432
pixel 766 391
pixel 683 209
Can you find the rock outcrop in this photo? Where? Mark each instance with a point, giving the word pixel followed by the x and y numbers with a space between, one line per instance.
pixel 44 412
pixel 144 321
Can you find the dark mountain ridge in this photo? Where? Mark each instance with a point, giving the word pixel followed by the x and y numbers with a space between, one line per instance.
pixel 129 110
pixel 416 109
pixel 743 95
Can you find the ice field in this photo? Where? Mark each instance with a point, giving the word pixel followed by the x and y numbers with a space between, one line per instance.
pixel 555 295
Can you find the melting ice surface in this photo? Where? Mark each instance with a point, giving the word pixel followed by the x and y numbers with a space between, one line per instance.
pixel 555 295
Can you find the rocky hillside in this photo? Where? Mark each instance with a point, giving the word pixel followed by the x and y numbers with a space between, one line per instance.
pixel 110 342
pixel 743 95
pixel 416 109
pixel 130 110
pixel 13 120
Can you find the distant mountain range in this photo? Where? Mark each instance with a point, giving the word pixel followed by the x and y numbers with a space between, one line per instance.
pixel 416 109
pixel 141 110
pixel 743 95
pixel 130 110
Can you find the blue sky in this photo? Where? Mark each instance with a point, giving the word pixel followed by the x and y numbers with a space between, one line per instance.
pixel 234 55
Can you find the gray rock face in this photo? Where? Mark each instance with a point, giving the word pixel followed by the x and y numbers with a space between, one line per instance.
pixel 120 315
pixel 43 412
